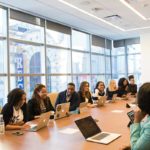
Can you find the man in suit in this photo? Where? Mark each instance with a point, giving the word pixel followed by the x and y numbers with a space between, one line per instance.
pixel 69 95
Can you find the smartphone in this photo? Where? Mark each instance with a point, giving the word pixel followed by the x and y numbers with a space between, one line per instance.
pixel 131 115
pixel 18 133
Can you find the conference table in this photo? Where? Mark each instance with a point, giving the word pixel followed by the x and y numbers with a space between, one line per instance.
pixel 112 117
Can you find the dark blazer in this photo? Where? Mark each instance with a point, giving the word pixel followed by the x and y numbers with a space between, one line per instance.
pixel 7 112
pixel 74 100
pixel 122 91
pixel 132 89
pixel 82 99
pixel 34 109
pixel 110 94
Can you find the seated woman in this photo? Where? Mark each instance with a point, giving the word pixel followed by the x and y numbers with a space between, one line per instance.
pixel 84 94
pixel 99 90
pixel 111 89
pixel 140 130
pixel 14 111
pixel 122 87
pixel 40 102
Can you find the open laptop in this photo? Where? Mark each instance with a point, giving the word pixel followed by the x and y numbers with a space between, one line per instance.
pixel 39 123
pixel 62 110
pixel 92 132
pixel 83 107
pixel 101 101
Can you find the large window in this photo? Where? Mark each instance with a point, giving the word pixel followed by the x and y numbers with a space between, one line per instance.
pixel 41 51
pixel 126 59
pixel 3 57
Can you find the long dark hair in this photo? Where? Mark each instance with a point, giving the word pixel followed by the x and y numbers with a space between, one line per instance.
pixel 81 89
pixel 38 88
pixel 143 98
pixel 14 97
pixel 97 84
pixel 120 83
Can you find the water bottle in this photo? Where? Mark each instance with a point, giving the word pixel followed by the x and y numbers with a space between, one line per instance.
pixel 2 125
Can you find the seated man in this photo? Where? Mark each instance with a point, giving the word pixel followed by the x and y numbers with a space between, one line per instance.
pixel 68 95
pixel 132 87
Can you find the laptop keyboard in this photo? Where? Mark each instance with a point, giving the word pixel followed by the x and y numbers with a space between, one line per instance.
pixel 100 136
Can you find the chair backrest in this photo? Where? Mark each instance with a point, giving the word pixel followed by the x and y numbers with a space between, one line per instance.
pixel 53 97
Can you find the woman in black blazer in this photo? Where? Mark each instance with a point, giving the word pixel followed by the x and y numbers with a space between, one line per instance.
pixel 39 103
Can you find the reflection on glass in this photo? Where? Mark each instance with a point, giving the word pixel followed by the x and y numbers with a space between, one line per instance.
pixel 80 78
pixel 3 22
pixel 118 51
pixel 26 58
pixel 57 38
pixel 80 41
pixel 96 49
pixel 108 65
pixel 95 79
pixel 134 63
pixel 58 61
pixel 3 90
pixel 3 57
pixel 25 31
pixel 132 49
pixel 81 62
pixel 57 83
pixel 98 64
pixel 27 83
pixel 118 64
pixel 107 51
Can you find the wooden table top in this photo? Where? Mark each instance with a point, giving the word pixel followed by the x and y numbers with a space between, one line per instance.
pixel 50 137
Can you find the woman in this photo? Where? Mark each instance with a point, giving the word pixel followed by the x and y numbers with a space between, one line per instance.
pixel 111 89
pixel 140 130
pixel 99 90
pixel 14 111
pixel 122 87
pixel 84 94
pixel 40 102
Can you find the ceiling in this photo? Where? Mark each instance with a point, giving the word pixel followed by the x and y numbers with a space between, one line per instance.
pixel 114 19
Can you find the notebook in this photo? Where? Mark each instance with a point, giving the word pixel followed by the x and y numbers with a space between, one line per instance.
pixel 101 101
pixel 92 132
pixel 39 123
pixel 62 110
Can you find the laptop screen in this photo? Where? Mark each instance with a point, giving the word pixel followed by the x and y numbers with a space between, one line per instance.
pixel 88 127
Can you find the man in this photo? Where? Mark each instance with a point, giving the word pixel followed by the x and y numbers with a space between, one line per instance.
pixel 68 95
pixel 132 87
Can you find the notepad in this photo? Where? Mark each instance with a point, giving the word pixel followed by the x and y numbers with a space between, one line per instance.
pixel 117 111
pixel 69 131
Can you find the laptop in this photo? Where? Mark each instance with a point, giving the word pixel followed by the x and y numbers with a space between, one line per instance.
pixel 39 123
pixel 101 101
pixel 62 110
pixel 93 133
pixel 83 107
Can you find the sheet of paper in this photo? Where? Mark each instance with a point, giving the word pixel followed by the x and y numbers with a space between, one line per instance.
pixel 117 111
pixel 69 131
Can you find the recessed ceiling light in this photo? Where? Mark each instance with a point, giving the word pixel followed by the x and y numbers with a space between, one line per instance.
pixel 102 20
pixel 91 15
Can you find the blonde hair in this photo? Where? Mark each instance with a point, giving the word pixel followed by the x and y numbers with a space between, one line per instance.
pixel 112 85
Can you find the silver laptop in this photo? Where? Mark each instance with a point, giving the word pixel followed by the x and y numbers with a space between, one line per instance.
pixel 39 123
pixel 83 107
pixel 62 110
pixel 92 132
pixel 101 101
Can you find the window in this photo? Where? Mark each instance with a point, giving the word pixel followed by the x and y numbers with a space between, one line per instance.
pixel 58 61
pixel 80 41
pixel 81 62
